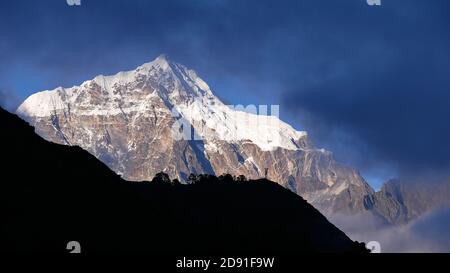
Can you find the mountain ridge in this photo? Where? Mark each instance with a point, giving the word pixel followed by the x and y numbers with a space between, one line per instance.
pixel 52 194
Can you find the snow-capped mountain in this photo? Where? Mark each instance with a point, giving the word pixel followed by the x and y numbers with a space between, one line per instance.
pixel 139 123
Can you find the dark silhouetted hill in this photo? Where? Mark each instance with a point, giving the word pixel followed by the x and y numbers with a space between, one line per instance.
pixel 52 194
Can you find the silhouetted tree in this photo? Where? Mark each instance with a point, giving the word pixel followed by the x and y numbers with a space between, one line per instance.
pixel 213 178
pixel 226 178
pixel 204 178
pixel 192 179
pixel 176 182
pixel 161 178
pixel 241 178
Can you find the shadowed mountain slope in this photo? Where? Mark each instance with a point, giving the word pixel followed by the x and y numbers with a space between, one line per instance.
pixel 52 194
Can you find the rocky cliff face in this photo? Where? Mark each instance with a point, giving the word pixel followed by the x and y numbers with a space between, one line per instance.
pixel 399 202
pixel 163 117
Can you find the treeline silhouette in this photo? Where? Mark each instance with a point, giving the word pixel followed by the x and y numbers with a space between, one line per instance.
pixel 199 179
pixel 52 194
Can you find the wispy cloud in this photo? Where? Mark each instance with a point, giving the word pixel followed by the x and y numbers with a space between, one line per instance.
pixel 429 233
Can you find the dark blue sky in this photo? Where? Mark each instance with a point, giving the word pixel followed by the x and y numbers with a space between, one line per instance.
pixel 372 84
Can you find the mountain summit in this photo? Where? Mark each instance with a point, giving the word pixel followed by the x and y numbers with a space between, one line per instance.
pixel 163 117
